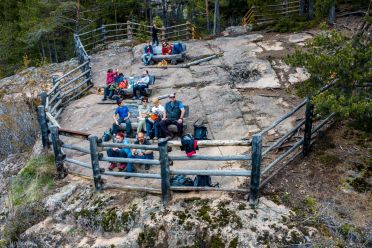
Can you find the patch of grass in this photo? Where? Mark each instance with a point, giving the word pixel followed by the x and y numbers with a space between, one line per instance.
pixel 360 185
pixel 310 204
pixel 216 241
pixel 33 181
pixel 329 159
pixel 234 243
pixel 147 238
pixel 203 213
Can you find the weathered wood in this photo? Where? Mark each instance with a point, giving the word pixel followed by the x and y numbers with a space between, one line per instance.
pixel 78 94
pixel 282 139
pixel 231 173
pixel 211 158
pixel 52 119
pixel 43 96
pixel 43 126
pixel 284 117
pixel 129 187
pixel 95 162
pixel 133 146
pixel 58 113
pixel 322 123
pixel 75 88
pixel 73 80
pixel 308 127
pixel 82 164
pixel 130 160
pixel 76 148
pixel 282 156
pixel 57 152
pixel 190 188
pixel 256 167
pixel 164 171
pixel 202 143
pixel 74 134
pixel 132 174
pixel 55 107
pixel 332 13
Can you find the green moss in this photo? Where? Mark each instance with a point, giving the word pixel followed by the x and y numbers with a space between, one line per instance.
pixel 33 181
pixel 189 226
pixel 234 243
pixel 329 159
pixel 147 238
pixel 216 241
pixel 182 217
pixel 242 206
pixel 311 204
pixel 203 212
pixel 152 215
pixel 192 199
pixel 360 185
pixel 346 229
pixel 225 216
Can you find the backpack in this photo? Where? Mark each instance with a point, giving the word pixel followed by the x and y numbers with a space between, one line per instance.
pixel 106 135
pixel 123 84
pixel 200 131
pixel 204 181
pixel 189 144
pixel 180 180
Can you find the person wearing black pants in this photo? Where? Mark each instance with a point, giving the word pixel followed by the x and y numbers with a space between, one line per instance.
pixel 173 115
pixel 154 35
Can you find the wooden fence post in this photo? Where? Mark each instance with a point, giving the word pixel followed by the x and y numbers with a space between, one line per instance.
pixel 164 170
pixel 256 169
pixel 310 9
pixel 308 127
pixel 104 33
pixel 43 126
pixel 302 7
pixel 43 97
pixel 332 14
pixel 58 155
pixel 95 162
pixel 129 31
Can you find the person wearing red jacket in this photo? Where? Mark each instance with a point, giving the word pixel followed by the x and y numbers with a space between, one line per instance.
pixel 166 48
pixel 110 79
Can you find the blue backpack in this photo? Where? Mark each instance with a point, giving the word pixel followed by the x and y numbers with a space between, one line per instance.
pixel 180 180
pixel 204 181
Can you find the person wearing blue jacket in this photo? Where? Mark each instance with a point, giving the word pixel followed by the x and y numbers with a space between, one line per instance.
pixel 120 153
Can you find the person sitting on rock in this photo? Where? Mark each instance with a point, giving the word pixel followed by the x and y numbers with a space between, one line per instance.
pixel 141 85
pixel 120 153
pixel 166 48
pixel 141 153
pixel 110 79
pixel 173 115
pixel 149 53
pixel 121 115
pixel 143 112
pixel 152 122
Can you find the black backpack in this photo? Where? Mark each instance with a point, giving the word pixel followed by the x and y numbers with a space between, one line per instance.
pixel 204 181
pixel 200 131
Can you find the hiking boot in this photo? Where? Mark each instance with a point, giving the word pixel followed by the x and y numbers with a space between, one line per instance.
pixel 147 166
pixel 155 138
pixel 127 177
pixel 112 166
pixel 122 167
pixel 104 99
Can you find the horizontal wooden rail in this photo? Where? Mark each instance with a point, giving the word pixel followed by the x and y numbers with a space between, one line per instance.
pixel 94 30
pixel 282 156
pixel 284 117
pixel 130 160
pixel 191 188
pixel 73 134
pixel 76 148
pixel 202 143
pixel 134 146
pixel 211 158
pixel 54 97
pixel 78 94
pixel 111 36
pixel 130 187
pixel 132 174
pixel 82 164
pixel 95 42
pixel 75 79
pixel 282 139
pixel 322 123
pixel 51 118
pixel 54 108
pixel 58 113
pixel 68 92
pixel 241 173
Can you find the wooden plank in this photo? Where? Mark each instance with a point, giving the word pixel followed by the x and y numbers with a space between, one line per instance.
pixel 134 146
pixel 308 127
pixel 76 148
pixel 130 160
pixel 52 119
pixel 132 174
pixel 256 169
pixel 57 152
pixel 202 143
pixel 43 126
pixel 211 158
pixel 74 134
pixel 74 79
pixel 190 188
pixel 241 173
pixel 79 94
pixel 65 94
pixel 82 164
pixel 164 171
pixel 129 187
pixel 95 162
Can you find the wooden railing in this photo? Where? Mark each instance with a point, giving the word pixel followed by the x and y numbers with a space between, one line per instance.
pixel 264 164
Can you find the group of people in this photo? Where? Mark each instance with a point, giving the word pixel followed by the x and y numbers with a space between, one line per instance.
pixel 153 123
pixel 117 83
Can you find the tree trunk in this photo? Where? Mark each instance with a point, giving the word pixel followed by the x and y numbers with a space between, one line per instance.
pixel 207 13
pixel 77 28
pixel 50 51
pixel 55 49
pixel 217 20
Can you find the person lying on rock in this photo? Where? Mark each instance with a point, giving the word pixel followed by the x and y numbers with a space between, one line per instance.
pixel 141 85
pixel 120 153
pixel 110 80
pixel 143 112
pixel 173 115
pixel 141 153
pixel 121 115
pixel 153 120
